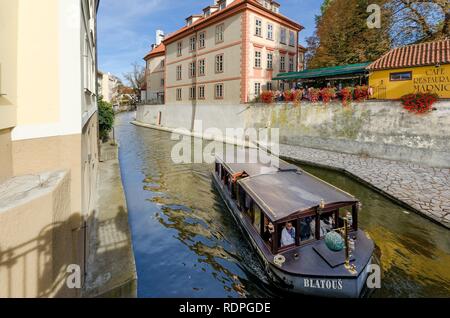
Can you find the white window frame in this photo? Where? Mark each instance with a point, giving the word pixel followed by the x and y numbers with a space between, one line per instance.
pixel 192 70
pixel 192 92
pixel 179 72
pixel 179 48
pixel 258 27
pixel 258 56
pixel 257 87
pixel 201 92
pixel 270 61
pixel 270 31
pixel 291 64
pixel 220 36
pixel 219 91
pixel 192 44
pixel 283 36
pixel 283 63
pixel 201 67
pixel 219 61
pixel 291 38
pixel 202 40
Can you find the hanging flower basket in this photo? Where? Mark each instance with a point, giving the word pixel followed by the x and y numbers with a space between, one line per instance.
pixel 419 103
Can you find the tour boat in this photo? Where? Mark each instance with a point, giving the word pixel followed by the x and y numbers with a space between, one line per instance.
pixel 304 230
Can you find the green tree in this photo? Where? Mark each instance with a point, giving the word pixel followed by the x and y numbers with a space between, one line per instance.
pixel 105 119
pixel 343 37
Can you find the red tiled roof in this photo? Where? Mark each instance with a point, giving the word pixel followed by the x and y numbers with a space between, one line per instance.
pixel 430 53
pixel 159 50
pixel 220 12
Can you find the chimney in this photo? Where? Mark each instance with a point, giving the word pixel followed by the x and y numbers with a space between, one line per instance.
pixel 159 37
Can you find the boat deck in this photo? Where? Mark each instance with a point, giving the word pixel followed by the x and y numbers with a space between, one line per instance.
pixel 331 264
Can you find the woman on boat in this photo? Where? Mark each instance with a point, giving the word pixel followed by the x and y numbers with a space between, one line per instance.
pixel 288 235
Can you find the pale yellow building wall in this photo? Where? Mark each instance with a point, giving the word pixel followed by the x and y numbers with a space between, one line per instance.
pixel 6 168
pixel 155 73
pixel 230 77
pixel 8 82
pixel 427 78
pixel 38 68
pixel 51 105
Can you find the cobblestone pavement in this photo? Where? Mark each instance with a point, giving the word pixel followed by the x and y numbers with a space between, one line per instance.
pixel 425 189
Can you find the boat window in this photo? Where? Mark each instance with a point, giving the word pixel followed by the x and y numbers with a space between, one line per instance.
pixel 287 234
pixel 257 218
pixel 307 228
pixel 267 231
pixel 327 223
pixel 345 212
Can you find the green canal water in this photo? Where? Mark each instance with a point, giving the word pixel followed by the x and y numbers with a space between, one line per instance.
pixel 187 245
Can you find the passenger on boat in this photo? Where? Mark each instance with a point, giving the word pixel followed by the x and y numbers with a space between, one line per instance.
pixel 268 230
pixel 307 228
pixel 288 235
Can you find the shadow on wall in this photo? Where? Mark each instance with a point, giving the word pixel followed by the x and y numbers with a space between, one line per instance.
pixel 39 267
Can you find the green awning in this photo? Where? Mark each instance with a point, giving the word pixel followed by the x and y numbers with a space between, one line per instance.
pixel 324 72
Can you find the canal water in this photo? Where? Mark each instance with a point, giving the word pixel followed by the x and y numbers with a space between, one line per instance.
pixel 187 245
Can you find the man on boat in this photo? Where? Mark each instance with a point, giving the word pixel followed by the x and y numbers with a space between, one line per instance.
pixel 288 235
pixel 268 230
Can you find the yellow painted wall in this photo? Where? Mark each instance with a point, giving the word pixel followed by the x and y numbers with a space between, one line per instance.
pixel 427 78
pixel 38 66
pixel 8 62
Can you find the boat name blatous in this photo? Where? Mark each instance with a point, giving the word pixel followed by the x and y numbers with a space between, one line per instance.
pixel 323 283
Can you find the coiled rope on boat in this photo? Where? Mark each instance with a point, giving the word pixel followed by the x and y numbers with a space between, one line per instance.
pixel 279 260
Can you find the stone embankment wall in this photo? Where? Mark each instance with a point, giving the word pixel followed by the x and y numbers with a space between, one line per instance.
pixel 376 129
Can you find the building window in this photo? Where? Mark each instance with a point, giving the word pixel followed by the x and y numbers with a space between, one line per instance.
pixel 201 67
pixel 201 40
pixel 270 31
pixel 218 91
pixel 178 93
pixel 179 72
pixel 162 82
pixel 282 64
pixel 291 38
pixel 219 63
pixel 222 5
pixel 192 69
pixel 192 44
pixel 283 36
pixel 269 86
pixel 192 91
pixel 269 61
pixel 162 63
pixel 257 59
pixel 301 57
pixel 257 89
pixel 201 92
pixel 179 48
pixel 258 27
pixel 401 76
pixel 219 33
pixel 291 63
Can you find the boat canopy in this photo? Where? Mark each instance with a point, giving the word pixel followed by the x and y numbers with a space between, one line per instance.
pixel 287 194
pixel 281 189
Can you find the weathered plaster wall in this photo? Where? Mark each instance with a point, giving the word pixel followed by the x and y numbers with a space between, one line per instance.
pixel 377 129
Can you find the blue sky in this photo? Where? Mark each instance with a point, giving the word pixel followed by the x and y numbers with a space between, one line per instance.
pixel 126 29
